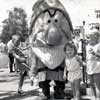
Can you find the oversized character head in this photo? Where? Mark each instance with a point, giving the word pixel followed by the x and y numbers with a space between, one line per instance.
pixel 50 24
pixel 50 30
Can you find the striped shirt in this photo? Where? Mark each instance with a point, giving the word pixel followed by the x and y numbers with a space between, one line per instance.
pixel 22 66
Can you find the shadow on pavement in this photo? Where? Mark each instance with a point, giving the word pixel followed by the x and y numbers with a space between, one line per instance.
pixel 10 75
pixel 8 78
pixel 8 93
pixel 17 96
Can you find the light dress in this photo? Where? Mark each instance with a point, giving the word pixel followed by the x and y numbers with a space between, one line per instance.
pixel 74 69
pixel 93 62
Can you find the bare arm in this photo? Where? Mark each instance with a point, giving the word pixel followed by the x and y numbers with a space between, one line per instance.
pixel 96 54
pixel 79 60
pixel 26 47
pixel 16 56
pixel 65 72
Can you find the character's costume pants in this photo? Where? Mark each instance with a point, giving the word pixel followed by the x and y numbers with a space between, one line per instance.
pixel 58 89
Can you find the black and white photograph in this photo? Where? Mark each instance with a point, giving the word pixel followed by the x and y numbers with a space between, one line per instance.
pixel 49 49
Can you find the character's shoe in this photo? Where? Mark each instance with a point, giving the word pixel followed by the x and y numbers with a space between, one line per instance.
pixel 57 96
pixel 47 98
pixel 60 94
pixel 43 97
pixel 46 93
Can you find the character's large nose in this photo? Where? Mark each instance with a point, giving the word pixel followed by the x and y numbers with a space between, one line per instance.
pixel 54 36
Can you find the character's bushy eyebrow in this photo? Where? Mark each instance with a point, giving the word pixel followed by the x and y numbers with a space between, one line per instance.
pixel 51 14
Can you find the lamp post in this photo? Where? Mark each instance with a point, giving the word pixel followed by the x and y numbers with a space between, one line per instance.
pixel 84 53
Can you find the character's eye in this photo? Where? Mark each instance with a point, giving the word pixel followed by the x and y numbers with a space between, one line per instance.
pixel 87 37
pixel 49 21
pixel 56 20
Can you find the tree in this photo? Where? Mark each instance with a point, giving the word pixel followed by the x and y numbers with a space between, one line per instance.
pixel 16 23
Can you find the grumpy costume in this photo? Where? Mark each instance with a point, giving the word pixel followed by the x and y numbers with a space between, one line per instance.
pixel 50 30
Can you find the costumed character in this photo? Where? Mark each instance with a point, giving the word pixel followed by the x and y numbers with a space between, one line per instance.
pixel 50 30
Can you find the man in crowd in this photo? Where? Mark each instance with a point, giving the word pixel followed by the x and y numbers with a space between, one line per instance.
pixel 10 46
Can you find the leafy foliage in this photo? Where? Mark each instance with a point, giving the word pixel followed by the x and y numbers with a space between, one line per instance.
pixel 16 23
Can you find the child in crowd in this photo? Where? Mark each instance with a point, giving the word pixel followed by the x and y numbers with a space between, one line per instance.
pixel 93 62
pixel 73 67
pixel 20 62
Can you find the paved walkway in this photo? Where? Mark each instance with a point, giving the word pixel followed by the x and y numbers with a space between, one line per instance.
pixel 9 83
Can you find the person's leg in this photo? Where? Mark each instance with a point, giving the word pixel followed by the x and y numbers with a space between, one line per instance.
pixel 73 89
pixel 77 89
pixel 14 65
pixel 11 62
pixel 21 80
pixel 92 87
pixel 98 89
pixel 97 83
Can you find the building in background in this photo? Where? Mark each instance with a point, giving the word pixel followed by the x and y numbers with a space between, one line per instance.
pixel 92 21
pixel 95 21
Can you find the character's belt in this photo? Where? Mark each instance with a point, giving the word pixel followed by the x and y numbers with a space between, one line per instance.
pixel 60 67
pixel 46 68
